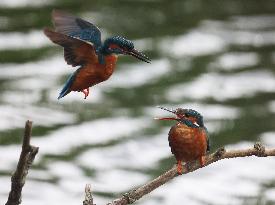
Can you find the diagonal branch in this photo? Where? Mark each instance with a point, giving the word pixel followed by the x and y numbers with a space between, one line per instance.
pixel 135 194
pixel 29 152
pixel 26 159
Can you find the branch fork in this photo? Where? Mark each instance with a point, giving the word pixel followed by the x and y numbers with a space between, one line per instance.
pixel 27 156
pixel 258 150
pixel 29 152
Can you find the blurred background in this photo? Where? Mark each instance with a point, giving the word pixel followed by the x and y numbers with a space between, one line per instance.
pixel 217 57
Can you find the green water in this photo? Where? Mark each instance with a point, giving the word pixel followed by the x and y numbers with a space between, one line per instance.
pixel 230 33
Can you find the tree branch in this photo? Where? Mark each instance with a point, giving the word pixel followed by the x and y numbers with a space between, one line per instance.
pixel 135 194
pixel 25 161
pixel 29 152
pixel 88 196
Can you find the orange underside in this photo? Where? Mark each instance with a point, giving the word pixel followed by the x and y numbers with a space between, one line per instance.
pixel 92 74
pixel 188 144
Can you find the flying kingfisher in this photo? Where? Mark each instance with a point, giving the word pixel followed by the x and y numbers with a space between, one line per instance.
pixel 82 45
pixel 188 138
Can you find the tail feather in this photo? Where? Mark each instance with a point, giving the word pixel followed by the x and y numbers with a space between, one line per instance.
pixel 67 87
pixel 63 93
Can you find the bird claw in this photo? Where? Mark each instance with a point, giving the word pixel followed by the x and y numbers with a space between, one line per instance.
pixel 202 161
pixel 179 168
pixel 86 92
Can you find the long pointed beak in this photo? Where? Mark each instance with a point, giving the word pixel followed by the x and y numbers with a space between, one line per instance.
pixel 167 109
pixel 166 118
pixel 138 55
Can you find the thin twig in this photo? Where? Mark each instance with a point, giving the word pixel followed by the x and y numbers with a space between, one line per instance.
pixel 27 156
pixel 135 194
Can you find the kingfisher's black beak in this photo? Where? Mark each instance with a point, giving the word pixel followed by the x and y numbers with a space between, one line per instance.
pixel 138 55
pixel 167 109
pixel 168 118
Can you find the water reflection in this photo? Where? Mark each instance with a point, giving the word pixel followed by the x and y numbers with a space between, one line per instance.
pixel 217 58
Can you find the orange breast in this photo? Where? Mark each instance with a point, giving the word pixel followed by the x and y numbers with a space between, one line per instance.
pixel 187 143
pixel 92 74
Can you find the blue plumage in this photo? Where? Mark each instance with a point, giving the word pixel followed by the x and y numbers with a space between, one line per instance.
pixel 189 123
pixel 93 37
pixel 66 89
pixel 197 115
pixel 83 30
pixel 184 117
pixel 78 28
pixel 89 35
pixel 82 45
pixel 121 41
pixel 199 120
pixel 70 25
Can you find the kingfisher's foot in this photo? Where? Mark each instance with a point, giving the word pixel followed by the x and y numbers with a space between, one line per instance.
pixel 179 167
pixel 202 161
pixel 86 92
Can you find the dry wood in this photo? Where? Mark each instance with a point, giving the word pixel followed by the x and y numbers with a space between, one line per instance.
pixel 27 156
pixel 135 194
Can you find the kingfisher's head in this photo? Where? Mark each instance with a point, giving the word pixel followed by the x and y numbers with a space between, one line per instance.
pixel 190 117
pixel 119 45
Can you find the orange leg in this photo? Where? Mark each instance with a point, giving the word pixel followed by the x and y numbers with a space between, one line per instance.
pixel 86 92
pixel 202 161
pixel 179 167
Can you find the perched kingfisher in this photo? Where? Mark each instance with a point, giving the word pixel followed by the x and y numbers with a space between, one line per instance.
pixel 82 45
pixel 188 138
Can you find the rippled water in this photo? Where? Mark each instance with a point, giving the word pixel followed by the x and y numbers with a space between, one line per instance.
pixel 217 57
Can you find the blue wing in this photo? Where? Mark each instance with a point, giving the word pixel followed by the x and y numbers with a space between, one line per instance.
pixel 66 89
pixel 76 51
pixel 76 27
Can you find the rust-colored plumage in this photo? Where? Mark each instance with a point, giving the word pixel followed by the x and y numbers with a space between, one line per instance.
pixel 187 144
pixel 188 138
pixel 78 52
pixel 92 74
pixel 82 45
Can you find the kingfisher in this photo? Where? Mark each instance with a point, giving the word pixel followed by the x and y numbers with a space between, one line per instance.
pixel 188 138
pixel 96 60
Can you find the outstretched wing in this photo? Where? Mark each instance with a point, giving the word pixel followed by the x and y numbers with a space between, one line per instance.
pixel 76 27
pixel 76 52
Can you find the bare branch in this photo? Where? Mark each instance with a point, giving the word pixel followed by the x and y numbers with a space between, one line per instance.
pixel 29 152
pixel 27 156
pixel 88 196
pixel 135 194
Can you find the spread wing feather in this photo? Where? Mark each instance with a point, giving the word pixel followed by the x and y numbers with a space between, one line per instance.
pixel 73 26
pixel 76 51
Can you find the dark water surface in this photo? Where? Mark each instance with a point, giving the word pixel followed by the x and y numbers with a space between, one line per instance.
pixel 217 57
